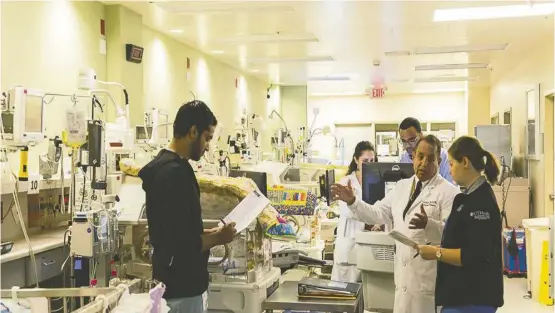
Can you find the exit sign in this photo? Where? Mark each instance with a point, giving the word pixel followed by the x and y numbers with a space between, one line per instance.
pixel 378 92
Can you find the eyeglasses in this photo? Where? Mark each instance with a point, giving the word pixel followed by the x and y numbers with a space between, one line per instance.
pixel 412 140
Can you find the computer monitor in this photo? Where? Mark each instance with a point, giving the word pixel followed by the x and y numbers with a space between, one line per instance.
pixel 376 175
pixel 142 134
pixel 259 178
pixel 326 181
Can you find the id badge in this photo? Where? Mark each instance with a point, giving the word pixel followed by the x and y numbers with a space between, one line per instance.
pixel 205 301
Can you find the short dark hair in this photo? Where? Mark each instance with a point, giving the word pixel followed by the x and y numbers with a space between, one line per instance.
pixel 410 122
pixel 193 113
pixel 431 140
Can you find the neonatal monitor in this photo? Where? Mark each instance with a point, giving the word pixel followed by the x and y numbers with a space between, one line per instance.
pixel 259 178
pixel 28 115
pixel 157 120
pixel 377 176
pixel 142 134
pixel 162 133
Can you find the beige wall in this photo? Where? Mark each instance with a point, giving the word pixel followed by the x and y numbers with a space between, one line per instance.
pixel 508 92
pixel 293 107
pixel 549 146
pixel 46 49
pixel 478 107
pixel 440 107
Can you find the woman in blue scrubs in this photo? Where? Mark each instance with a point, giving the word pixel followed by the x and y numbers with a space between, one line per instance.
pixel 470 271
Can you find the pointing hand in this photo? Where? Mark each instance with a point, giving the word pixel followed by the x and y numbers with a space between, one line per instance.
pixel 420 220
pixel 343 193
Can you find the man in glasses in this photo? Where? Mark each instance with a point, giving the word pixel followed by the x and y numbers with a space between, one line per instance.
pixel 410 132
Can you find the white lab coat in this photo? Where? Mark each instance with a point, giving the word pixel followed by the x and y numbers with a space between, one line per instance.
pixel 344 254
pixel 414 277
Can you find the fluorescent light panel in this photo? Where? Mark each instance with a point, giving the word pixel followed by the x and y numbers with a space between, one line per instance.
pixel 438 90
pixel 460 66
pixel 397 53
pixel 461 48
pixel 329 78
pixel 176 31
pixel 292 59
pixel 221 7
pixel 399 80
pixel 336 94
pixel 441 79
pixel 494 12
pixel 270 38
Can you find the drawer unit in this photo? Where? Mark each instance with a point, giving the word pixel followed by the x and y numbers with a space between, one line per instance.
pixel 13 273
pixel 49 264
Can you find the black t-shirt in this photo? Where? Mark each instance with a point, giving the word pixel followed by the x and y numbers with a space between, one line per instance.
pixel 474 226
pixel 175 225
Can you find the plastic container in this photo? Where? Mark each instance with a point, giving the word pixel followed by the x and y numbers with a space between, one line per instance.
pixel 514 265
pixel 537 231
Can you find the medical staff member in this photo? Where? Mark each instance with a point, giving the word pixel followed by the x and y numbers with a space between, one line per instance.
pixel 410 132
pixel 347 227
pixel 181 246
pixel 418 207
pixel 470 270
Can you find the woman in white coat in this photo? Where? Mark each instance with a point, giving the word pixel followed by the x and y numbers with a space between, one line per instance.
pixel 347 227
pixel 418 207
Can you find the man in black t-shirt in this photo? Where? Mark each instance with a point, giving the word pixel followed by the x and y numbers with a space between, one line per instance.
pixel 181 245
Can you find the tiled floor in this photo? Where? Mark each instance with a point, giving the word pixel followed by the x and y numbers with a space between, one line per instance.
pixel 515 291
pixel 515 301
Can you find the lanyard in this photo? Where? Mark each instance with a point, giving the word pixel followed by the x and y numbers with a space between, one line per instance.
pixel 413 187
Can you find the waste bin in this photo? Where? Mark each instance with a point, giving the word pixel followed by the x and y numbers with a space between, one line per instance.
pixel 537 231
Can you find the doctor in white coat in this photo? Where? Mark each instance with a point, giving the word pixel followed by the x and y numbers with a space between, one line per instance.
pixel 418 207
pixel 347 227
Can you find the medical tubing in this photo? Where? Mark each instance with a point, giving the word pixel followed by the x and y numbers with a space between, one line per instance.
pixel 22 222
pixel 18 211
pixel 106 213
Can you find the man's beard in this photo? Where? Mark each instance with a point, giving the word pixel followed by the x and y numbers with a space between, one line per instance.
pixel 197 150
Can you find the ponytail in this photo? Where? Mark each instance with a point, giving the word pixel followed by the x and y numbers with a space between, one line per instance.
pixel 352 166
pixel 481 160
pixel 491 168
pixel 359 149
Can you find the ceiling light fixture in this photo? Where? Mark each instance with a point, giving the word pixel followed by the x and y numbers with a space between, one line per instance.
pixel 460 66
pixel 220 7
pixel 420 91
pixel 461 48
pixel 176 31
pixel 217 52
pixel 441 79
pixel 292 59
pixel 329 78
pixel 268 38
pixel 494 12
pixel 397 53
pixel 337 94
pixel 399 80
pixel 255 71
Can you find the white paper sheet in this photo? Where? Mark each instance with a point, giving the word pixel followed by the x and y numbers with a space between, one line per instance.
pixel 247 210
pixel 403 239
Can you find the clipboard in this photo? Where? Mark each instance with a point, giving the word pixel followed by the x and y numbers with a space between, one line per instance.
pixel 402 238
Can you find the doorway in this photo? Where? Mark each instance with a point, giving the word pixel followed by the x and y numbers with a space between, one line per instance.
pixel 549 142
pixel 349 135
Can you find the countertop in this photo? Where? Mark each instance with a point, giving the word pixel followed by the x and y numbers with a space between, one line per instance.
pixel 44 241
